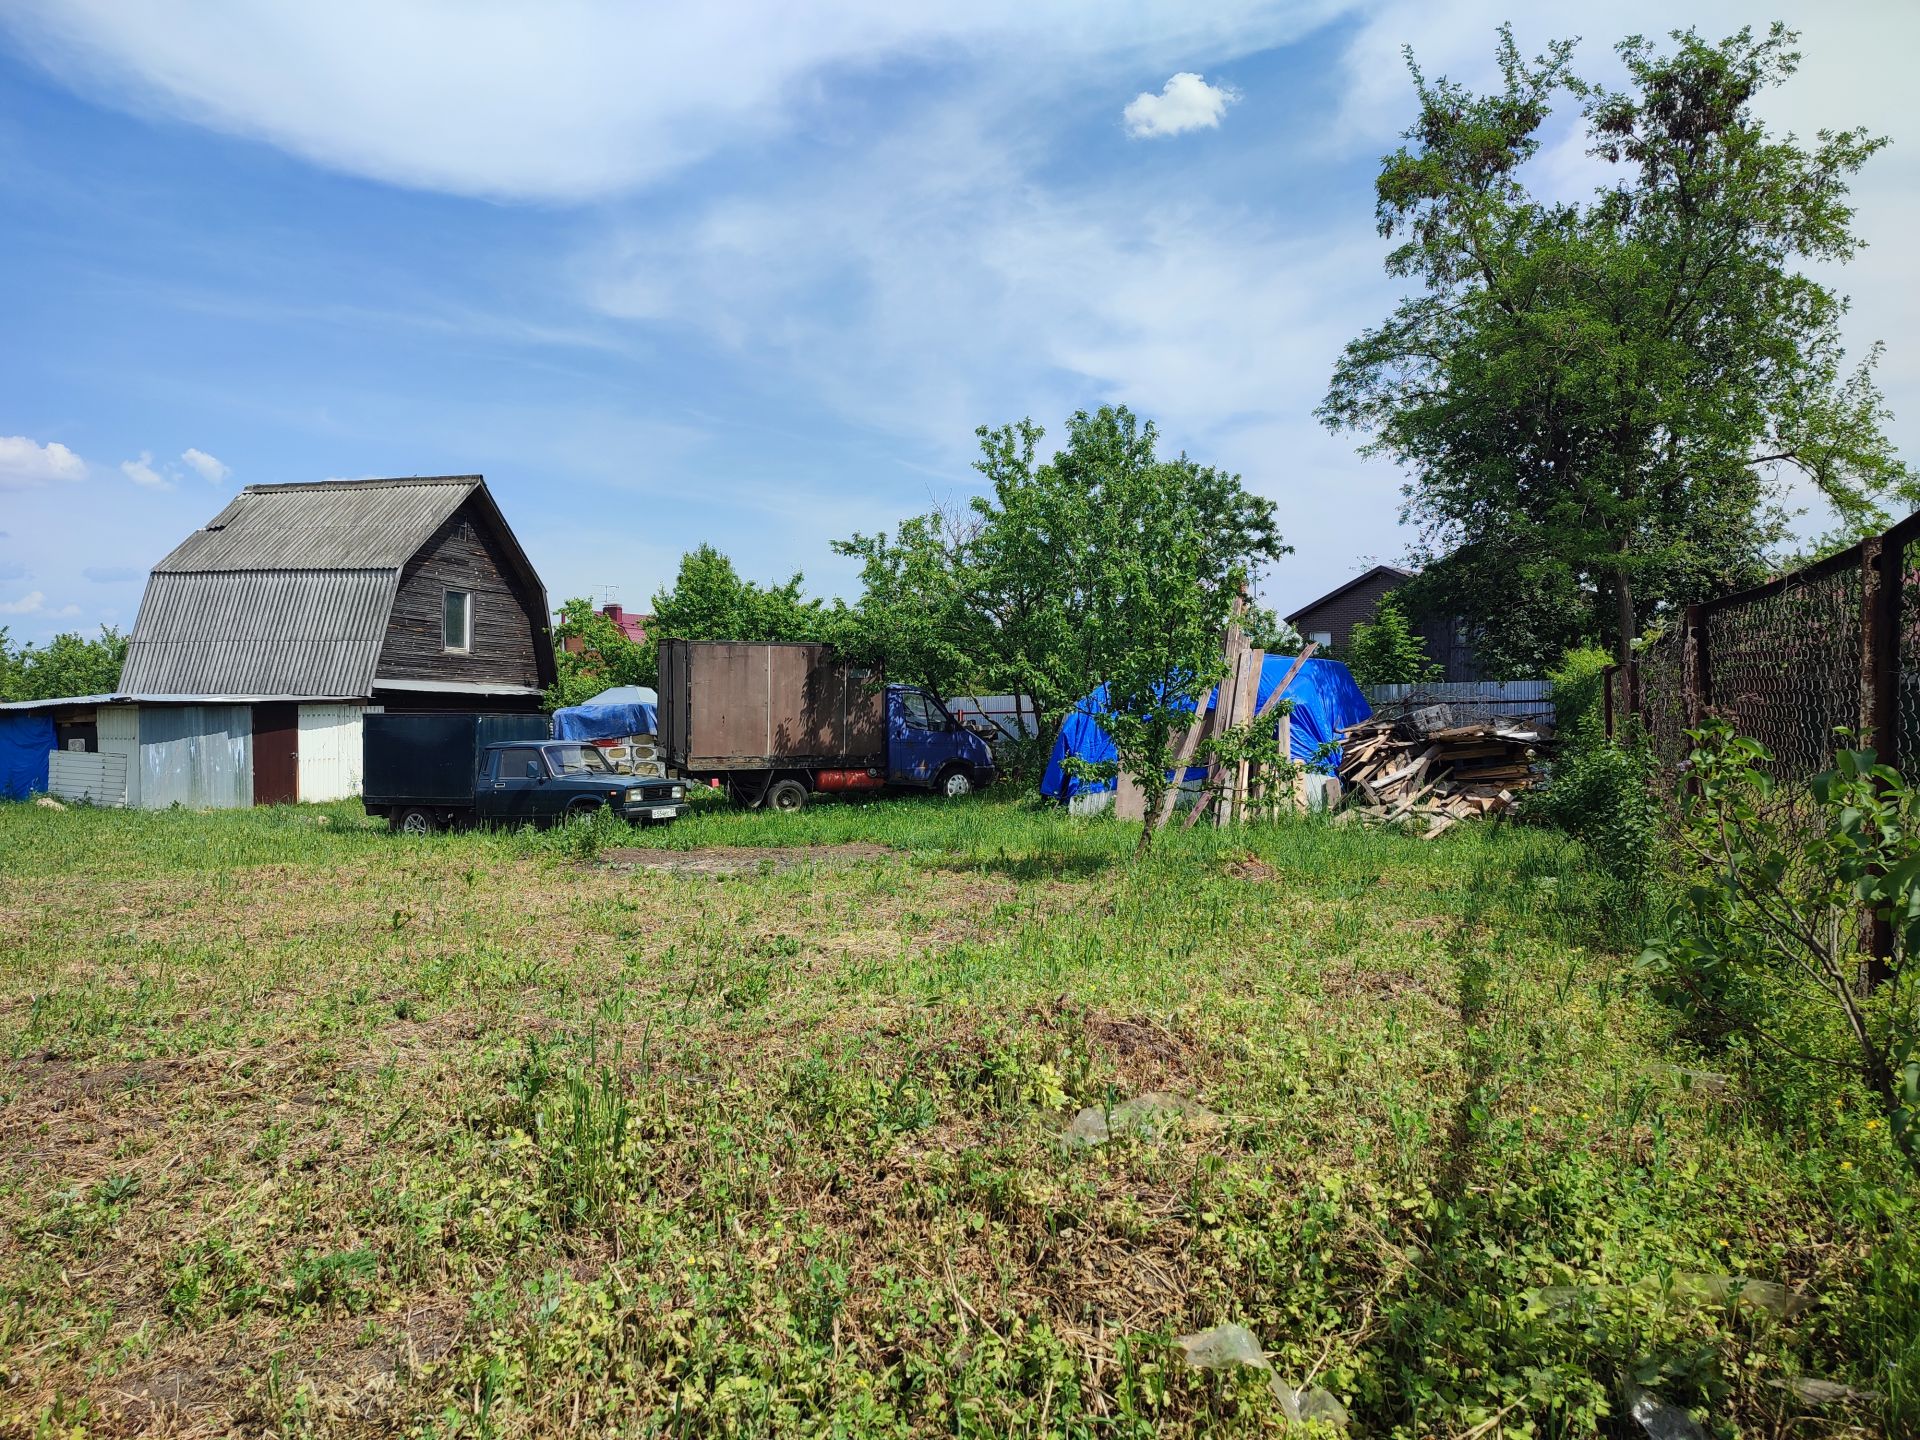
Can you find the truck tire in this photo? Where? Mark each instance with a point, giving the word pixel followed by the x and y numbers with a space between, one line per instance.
pixel 413 820
pixel 953 783
pixel 788 794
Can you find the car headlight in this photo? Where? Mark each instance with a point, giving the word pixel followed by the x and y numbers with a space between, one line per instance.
pixel 679 791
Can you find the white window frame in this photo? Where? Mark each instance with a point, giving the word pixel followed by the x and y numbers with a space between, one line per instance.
pixel 466 641
pixel 1322 638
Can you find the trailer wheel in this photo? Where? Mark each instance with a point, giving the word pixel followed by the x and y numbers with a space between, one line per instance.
pixel 787 795
pixel 955 783
pixel 413 820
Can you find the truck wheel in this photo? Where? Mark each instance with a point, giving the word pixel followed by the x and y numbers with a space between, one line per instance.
pixel 413 820
pixel 954 783
pixel 787 795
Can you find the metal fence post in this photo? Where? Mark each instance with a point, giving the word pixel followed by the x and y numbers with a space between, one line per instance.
pixel 1879 695
pixel 1693 665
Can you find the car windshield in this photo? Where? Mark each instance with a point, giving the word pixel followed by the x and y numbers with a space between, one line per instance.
pixel 577 760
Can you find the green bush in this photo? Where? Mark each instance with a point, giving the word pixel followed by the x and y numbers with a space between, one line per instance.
pixel 1579 694
pixel 1602 791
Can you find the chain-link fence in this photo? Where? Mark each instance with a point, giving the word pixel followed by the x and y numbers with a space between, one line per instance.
pixel 1828 655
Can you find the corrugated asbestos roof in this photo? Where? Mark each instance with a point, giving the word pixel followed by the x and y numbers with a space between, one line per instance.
pixel 260 632
pixel 339 525
pixel 288 590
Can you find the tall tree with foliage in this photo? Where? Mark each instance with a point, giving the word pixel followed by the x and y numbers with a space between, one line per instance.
pixel 68 664
pixel 1611 395
pixel 1387 651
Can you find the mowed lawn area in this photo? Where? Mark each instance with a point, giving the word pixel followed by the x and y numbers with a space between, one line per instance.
pixel 756 1126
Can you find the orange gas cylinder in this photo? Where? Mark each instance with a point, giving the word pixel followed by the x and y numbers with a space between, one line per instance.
pixel 830 781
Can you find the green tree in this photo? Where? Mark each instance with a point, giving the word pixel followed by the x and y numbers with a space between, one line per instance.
pixel 1110 564
pixel 1058 540
pixel 1611 395
pixel 604 656
pixel 1388 652
pixel 921 617
pixel 68 664
pixel 709 600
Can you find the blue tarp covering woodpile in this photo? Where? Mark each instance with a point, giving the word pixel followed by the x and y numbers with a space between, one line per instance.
pixel 25 742
pixel 1325 699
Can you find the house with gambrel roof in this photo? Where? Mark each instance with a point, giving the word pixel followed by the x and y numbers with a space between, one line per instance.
pixel 266 634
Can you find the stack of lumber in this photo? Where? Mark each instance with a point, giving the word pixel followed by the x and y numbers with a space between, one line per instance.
pixel 1428 772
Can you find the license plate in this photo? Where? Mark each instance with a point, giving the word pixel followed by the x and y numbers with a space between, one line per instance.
pixel 667 813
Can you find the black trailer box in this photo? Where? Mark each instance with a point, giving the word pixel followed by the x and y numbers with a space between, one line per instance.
pixel 433 759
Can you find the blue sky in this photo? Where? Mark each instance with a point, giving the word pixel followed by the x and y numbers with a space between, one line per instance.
pixel 749 275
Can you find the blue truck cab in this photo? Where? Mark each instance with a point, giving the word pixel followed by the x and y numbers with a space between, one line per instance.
pixel 930 750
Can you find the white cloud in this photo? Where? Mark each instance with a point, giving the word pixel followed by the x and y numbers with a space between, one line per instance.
pixel 210 469
pixel 1186 102
pixel 141 472
pixel 582 98
pixel 25 464
pixel 30 603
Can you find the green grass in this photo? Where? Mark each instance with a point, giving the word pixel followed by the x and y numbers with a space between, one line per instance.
pixel 309 1128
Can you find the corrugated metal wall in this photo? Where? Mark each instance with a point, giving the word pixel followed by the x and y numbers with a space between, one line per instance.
pixel 119 734
pixel 1472 702
pixel 95 776
pixel 330 752
pixel 200 756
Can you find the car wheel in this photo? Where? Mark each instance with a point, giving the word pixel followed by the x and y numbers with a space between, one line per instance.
pixel 956 783
pixel 787 795
pixel 582 809
pixel 415 820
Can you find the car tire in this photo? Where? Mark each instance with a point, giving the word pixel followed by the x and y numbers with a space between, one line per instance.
pixel 787 795
pixel 954 783
pixel 414 820
pixel 581 809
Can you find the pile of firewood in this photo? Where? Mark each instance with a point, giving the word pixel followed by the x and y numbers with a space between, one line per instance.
pixel 1427 771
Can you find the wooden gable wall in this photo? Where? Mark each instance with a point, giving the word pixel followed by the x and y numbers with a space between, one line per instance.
pixel 463 554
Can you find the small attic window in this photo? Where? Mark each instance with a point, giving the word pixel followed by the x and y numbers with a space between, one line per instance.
pixel 456 621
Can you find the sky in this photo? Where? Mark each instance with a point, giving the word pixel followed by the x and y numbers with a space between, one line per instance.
pixel 748 274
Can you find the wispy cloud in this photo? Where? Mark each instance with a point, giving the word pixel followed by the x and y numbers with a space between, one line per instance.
pixel 210 469
pixel 30 603
pixel 26 464
pixel 543 102
pixel 141 472
pixel 1186 102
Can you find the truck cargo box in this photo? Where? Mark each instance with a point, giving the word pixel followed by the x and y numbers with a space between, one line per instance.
pixel 751 706
pixel 430 759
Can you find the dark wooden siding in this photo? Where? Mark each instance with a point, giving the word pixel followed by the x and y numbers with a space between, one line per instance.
pixel 1339 615
pixel 463 554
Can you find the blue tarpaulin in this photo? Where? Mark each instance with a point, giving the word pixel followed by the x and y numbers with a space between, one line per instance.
pixel 25 742
pixel 611 715
pixel 1325 699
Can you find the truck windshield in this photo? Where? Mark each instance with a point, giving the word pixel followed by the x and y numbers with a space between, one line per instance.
pixel 577 760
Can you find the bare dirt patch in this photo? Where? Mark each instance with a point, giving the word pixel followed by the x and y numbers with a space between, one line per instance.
pixel 745 859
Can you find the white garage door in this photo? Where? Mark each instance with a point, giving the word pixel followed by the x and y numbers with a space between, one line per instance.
pixel 329 751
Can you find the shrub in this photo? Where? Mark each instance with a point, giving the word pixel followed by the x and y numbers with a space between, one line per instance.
pixel 1767 935
pixel 1579 694
pixel 1601 791
pixel 1388 652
